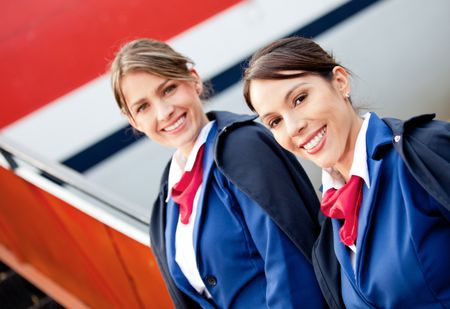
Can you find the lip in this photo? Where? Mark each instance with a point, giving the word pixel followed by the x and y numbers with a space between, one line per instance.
pixel 173 122
pixel 310 137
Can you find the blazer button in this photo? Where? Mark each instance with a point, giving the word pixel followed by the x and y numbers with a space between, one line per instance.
pixel 211 280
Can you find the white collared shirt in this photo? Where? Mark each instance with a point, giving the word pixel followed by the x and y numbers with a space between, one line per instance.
pixel 358 168
pixel 184 235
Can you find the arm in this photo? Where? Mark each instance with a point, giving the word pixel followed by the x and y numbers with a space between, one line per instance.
pixel 280 207
pixel 290 278
pixel 250 159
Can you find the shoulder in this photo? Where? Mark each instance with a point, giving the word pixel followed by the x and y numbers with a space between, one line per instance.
pixel 423 144
pixel 156 217
pixel 250 142
pixel 422 133
pixel 165 174
pixel 250 158
pixel 250 154
pixel 436 135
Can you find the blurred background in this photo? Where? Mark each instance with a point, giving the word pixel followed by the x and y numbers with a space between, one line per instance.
pixel 77 185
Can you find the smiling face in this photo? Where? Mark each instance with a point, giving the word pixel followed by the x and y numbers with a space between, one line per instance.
pixel 168 111
pixel 310 116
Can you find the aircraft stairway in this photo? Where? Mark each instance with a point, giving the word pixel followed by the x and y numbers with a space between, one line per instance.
pixel 75 241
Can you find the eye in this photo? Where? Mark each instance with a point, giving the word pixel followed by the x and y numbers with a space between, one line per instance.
pixel 273 123
pixel 169 89
pixel 142 107
pixel 298 100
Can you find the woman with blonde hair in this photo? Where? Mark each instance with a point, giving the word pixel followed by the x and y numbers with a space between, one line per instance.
pixel 235 220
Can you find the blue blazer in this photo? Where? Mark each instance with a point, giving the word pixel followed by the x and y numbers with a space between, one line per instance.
pixel 403 253
pixel 253 244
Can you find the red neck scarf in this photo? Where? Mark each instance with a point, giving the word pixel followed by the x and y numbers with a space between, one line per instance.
pixel 183 192
pixel 344 204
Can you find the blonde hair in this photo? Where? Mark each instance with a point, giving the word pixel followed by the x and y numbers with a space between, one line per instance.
pixel 150 56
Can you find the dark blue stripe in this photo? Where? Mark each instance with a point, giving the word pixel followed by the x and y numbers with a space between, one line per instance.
pixel 103 149
pixel 233 75
pixel 124 137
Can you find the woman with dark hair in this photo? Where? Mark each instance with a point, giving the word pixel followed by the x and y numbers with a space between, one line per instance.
pixel 235 220
pixel 385 243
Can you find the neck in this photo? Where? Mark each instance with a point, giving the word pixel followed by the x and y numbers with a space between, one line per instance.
pixel 185 151
pixel 345 163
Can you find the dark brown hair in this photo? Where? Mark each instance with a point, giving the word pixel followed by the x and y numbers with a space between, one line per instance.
pixel 288 54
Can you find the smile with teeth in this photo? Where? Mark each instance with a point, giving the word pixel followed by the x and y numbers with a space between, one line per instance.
pixel 316 139
pixel 176 125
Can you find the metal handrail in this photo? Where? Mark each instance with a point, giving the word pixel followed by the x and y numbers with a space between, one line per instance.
pixel 12 151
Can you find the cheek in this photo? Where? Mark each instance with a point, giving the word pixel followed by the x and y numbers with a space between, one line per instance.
pixel 283 140
pixel 145 124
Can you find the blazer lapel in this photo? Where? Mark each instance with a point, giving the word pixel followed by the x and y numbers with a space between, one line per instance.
pixel 341 251
pixel 208 161
pixel 178 276
pixel 378 136
pixel 366 212
pixel 378 139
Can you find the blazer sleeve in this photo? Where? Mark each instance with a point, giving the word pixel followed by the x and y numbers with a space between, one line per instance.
pixel 290 278
pixel 272 177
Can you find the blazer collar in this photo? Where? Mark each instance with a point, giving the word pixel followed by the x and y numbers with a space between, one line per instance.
pixel 379 137
pixel 227 119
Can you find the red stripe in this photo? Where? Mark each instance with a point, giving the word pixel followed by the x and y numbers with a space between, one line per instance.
pixel 48 49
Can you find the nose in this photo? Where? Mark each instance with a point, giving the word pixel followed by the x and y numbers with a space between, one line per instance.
pixel 294 126
pixel 164 111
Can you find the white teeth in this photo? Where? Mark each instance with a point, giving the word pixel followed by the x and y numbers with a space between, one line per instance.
pixel 315 140
pixel 175 125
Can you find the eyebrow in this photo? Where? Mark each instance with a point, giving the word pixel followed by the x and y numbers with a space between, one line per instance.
pixel 293 88
pixel 265 116
pixel 158 89
pixel 286 97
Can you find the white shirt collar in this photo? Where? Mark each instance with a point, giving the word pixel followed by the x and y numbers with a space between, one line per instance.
pixel 359 168
pixel 179 164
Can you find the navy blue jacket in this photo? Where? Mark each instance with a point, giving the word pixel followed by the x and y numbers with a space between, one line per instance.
pixel 424 148
pixel 247 156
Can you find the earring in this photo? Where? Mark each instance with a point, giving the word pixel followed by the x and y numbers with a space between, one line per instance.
pixel 347 95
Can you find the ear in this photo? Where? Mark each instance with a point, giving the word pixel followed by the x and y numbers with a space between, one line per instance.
pixel 198 81
pixel 341 81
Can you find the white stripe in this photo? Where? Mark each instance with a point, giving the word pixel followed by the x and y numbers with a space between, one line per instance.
pixel 98 211
pixel 71 123
pixel 221 41
pixel 86 115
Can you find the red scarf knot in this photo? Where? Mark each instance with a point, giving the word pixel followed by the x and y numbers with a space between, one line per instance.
pixel 184 191
pixel 344 203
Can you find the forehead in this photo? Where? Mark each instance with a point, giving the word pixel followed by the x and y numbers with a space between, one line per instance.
pixel 262 89
pixel 134 85
pixel 133 80
pixel 259 88
pixel 266 95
